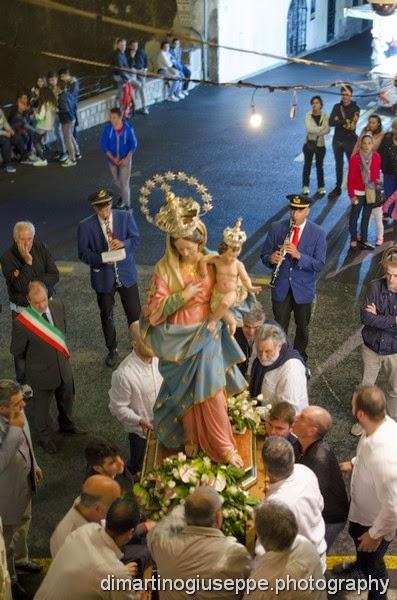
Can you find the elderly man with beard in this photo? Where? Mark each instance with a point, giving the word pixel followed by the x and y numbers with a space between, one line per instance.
pixel 278 372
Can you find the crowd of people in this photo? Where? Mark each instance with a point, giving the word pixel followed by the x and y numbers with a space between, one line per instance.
pixel 372 164
pixel 131 68
pixel 306 502
pixel 50 108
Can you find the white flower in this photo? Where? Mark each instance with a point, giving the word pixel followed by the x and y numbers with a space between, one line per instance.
pixel 187 474
pixel 220 483
pixel 175 473
pixel 181 456
pixel 232 489
pixel 259 397
pixel 171 484
pixel 192 489
pixel 207 462
pixel 205 479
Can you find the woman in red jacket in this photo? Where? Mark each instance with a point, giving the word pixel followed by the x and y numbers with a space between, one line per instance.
pixel 363 174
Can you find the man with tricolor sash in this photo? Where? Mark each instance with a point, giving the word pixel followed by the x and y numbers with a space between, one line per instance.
pixel 38 339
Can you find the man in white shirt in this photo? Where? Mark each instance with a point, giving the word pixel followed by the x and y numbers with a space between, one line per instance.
pixel 289 557
pixel 296 486
pixel 278 372
pixel 373 504
pixel 97 494
pixel 91 556
pixel 135 386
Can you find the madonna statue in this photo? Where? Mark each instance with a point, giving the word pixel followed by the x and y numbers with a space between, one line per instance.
pixel 198 367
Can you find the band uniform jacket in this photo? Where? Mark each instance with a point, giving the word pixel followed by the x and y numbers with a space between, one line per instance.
pixel 92 242
pixel 45 367
pixel 17 483
pixel 299 275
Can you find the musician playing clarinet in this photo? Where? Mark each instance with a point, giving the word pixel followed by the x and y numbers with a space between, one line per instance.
pixel 296 250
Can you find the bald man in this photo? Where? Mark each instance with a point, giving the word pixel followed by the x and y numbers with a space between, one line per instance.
pixel 313 451
pixel 188 543
pixel 97 494
pixel 38 341
pixel 134 389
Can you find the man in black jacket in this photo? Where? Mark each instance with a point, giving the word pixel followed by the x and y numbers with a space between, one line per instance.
pixel 245 335
pixel 28 259
pixel 310 427
pixel 344 117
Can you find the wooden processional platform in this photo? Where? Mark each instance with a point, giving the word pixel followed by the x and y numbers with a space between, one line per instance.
pixel 248 445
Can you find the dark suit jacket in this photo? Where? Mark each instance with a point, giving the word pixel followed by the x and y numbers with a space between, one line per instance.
pixel 92 242
pixel 43 268
pixel 45 367
pixel 299 275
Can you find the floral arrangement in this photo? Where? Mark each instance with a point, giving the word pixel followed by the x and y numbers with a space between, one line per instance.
pixel 243 413
pixel 178 477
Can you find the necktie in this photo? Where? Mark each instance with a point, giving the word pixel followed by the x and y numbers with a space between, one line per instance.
pixel 44 315
pixel 295 237
pixel 109 234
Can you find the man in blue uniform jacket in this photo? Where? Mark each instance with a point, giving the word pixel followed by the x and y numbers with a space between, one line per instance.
pixel 295 287
pixel 110 230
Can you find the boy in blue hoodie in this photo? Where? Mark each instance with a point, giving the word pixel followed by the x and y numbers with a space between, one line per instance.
pixel 119 143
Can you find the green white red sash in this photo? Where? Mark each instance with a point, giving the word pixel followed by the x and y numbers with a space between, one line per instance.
pixel 50 334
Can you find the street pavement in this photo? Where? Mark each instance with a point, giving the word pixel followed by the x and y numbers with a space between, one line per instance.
pixel 248 172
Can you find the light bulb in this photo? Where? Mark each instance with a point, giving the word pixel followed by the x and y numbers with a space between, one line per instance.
pixel 255 119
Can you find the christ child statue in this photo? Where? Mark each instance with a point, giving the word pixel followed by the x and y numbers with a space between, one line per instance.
pixel 232 280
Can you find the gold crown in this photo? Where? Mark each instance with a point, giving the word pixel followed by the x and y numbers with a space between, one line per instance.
pixel 233 236
pixel 180 216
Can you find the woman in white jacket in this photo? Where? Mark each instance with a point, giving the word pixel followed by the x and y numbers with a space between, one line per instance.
pixel 316 122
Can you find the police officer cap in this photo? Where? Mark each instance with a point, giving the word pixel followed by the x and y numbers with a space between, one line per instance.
pixel 299 201
pixel 100 198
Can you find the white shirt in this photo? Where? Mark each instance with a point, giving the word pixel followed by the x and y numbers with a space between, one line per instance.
pixel 48 314
pixel 164 60
pixel 301 493
pixel 301 228
pixel 135 387
pixel 103 226
pixel 374 482
pixel 70 522
pixel 299 562
pixel 88 556
pixel 286 383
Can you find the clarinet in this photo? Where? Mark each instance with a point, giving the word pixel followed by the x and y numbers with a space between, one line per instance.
pixel 283 254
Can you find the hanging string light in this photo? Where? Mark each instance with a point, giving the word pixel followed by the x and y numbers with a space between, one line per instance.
pixel 294 105
pixel 255 119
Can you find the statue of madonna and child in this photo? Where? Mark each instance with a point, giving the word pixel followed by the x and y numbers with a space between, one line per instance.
pixel 194 302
